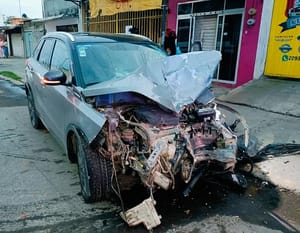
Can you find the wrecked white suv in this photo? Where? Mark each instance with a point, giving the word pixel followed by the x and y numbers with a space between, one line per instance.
pixel 127 114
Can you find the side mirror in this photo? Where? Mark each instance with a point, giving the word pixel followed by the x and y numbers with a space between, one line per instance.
pixel 54 77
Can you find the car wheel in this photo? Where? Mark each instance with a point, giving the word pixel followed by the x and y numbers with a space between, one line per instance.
pixel 34 118
pixel 94 172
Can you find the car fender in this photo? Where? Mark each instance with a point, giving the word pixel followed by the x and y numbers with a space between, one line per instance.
pixel 87 123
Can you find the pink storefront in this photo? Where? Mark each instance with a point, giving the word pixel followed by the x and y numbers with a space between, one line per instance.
pixel 231 27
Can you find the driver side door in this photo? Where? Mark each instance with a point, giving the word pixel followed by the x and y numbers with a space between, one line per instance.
pixel 55 96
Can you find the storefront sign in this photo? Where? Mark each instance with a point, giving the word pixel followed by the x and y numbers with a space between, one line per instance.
pixel 110 7
pixel 283 58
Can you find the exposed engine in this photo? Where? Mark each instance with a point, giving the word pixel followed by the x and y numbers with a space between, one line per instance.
pixel 159 146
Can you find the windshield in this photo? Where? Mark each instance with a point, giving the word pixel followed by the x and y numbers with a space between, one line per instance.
pixel 100 62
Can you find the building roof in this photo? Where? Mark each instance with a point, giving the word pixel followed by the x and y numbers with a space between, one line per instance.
pixel 9 26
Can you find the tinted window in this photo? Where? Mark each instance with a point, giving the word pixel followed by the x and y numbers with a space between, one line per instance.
pixel 37 50
pixel 235 4
pixel 209 5
pixel 183 34
pixel 60 58
pixel 215 5
pixel 46 52
pixel 67 28
pixel 185 8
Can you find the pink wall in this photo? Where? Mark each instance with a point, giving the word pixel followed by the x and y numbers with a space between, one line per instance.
pixel 172 16
pixel 248 44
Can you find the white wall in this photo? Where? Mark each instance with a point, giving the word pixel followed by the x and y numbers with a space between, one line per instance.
pixel 17 42
pixel 50 26
pixel 263 39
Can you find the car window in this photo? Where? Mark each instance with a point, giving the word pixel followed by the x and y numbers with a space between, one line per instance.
pixel 104 61
pixel 46 52
pixel 61 58
pixel 37 50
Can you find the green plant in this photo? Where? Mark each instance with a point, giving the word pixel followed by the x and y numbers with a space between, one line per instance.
pixel 11 75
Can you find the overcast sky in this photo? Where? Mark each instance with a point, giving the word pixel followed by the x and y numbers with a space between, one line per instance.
pixel 32 8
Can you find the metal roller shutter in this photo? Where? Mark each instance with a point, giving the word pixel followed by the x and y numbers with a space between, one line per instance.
pixel 205 31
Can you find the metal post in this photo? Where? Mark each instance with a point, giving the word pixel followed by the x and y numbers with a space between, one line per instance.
pixel 20 9
pixel 164 21
pixel 87 13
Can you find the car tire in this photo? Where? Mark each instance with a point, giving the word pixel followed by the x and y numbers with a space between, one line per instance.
pixel 34 118
pixel 94 172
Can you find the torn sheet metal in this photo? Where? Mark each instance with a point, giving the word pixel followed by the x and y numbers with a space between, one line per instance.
pixel 163 128
pixel 172 82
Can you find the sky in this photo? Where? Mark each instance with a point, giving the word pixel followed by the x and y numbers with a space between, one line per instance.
pixel 32 8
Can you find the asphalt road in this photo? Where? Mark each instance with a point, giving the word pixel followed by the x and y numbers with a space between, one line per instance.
pixel 11 94
pixel 40 190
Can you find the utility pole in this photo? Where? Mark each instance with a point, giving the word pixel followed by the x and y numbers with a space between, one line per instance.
pixel 87 13
pixel 20 8
pixel 164 21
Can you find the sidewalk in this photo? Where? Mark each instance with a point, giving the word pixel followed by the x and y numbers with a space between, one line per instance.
pixel 270 94
pixel 13 64
pixel 282 98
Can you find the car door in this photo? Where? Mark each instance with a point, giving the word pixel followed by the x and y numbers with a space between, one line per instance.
pixel 56 96
pixel 39 65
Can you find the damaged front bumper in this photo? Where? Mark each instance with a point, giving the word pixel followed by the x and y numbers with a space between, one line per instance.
pixel 144 213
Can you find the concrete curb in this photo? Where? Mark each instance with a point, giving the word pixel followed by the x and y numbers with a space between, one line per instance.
pixel 15 82
pixel 272 170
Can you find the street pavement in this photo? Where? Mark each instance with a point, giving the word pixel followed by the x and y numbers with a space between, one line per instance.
pixel 13 64
pixel 281 97
pixel 271 102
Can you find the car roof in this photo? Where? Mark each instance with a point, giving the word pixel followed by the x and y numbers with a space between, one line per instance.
pixel 99 37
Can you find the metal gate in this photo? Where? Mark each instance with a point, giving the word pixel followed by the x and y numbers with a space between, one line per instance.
pixel 148 23
pixel 205 28
pixel 28 43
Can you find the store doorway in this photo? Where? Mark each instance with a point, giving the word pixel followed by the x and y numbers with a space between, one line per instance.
pixel 184 33
pixel 228 41
pixel 213 30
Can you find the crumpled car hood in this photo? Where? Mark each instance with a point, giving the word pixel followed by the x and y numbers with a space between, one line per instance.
pixel 172 82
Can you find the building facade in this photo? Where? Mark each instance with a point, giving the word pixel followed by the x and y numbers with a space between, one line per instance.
pixel 58 15
pixel 232 27
pixel 283 57
pixel 115 16
pixel 61 15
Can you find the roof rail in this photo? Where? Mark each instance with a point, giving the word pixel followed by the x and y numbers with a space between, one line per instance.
pixel 71 37
pixel 136 35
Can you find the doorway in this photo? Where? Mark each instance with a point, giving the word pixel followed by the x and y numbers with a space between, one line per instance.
pixel 228 41
pixel 211 25
pixel 28 43
pixel 184 33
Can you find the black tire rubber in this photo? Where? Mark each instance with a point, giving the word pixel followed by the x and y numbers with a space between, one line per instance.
pixel 34 118
pixel 245 165
pixel 72 147
pixel 94 172
pixel 234 181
